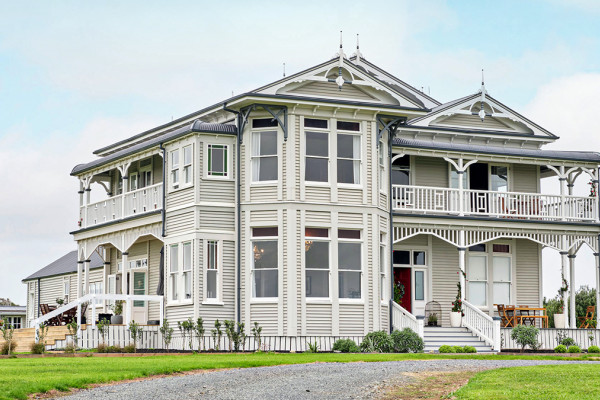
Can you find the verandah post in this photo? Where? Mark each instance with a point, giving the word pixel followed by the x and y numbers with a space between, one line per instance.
pixel 572 313
pixel 497 334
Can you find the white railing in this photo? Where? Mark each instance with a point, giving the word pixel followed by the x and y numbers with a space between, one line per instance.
pixel 147 199
pixel 548 338
pixel 401 319
pixel 482 325
pixel 435 200
pixel 92 299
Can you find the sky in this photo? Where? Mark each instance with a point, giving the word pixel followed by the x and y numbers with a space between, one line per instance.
pixel 76 76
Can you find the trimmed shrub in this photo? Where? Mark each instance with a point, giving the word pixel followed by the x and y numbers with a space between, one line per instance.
pixel 594 349
pixel 38 348
pixel 458 349
pixel 4 348
pixel 377 342
pixel 574 349
pixel 561 348
pixel 567 341
pixel 526 336
pixel 114 349
pixel 469 349
pixel 345 346
pixel 446 349
pixel 407 341
pixel 130 348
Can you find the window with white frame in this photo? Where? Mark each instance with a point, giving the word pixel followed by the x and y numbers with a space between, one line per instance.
pixel 175 169
pixel 349 264
pixel 401 171
pixel 316 160
pixel 218 160
pixel 15 322
pixel 187 270
pixel 316 262
pixel 265 265
pixel 174 271
pixel 187 165
pixel 348 158
pixel 212 270
pixel 133 181
pixel 96 288
pixel 382 266
pixel 31 301
pixel 501 273
pixel 477 278
pixel 381 161
pixel 66 289
pixel 454 178
pixel 264 156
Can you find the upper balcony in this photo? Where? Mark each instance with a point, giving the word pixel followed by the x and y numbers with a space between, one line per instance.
pixel 482 203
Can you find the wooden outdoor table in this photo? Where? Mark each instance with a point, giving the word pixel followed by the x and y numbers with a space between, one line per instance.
pixel 520 317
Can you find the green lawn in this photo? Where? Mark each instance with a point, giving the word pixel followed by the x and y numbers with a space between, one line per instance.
pixel 577 381
pixel 22 376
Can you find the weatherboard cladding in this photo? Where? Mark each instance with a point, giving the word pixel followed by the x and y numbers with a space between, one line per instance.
pixel 196 126
pixel 504 151
pixel 65 265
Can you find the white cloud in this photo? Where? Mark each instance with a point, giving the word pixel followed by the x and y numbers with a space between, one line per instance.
pixel 39 206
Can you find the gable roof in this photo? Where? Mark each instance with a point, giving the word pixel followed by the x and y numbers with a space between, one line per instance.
pixel 13 310
pixel 499 116
pixel 65 265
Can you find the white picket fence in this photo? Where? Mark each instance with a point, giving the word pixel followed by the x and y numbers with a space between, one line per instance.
pixel 548 337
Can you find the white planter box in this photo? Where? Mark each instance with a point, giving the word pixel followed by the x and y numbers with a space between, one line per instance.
pixel 455 319
pixel 559 321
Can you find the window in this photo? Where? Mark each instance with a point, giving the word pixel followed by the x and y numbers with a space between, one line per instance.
pixel 175 169
pixel 419 285
pixel 31 306
pixel 316 123
pixel 501 272
pixel 402 257
pixel 454 178
pixel 401 171
pixel 187 270
pixel 66 289
pixel 264 156
pixel 217 160
pixel 499 179
pixel 212 270
pixel 477 280
pixel 15 322
pixel 381 159
pixel 187 165
pixel 316 261
pixel 97 288
pixel 265 262
pixel 145 173
pixel 174 269
pixel 133 181
pixel 317 157
pixel 264 122
pixel 348 158
pixel 348 126
pixel 382 267
pixel 349 264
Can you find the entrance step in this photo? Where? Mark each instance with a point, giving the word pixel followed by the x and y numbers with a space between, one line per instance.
pixel 435 337
pixel 26 337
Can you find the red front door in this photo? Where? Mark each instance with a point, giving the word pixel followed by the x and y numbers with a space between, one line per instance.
pixel 402 275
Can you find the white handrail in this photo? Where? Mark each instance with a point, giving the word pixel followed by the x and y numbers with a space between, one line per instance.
pixel 401 319
pixel 482 325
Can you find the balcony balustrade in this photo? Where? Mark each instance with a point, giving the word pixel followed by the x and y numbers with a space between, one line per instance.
pixel 144 200
pixel 534 206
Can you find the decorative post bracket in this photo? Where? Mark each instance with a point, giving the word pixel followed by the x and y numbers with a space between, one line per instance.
pixel 391 126
pixel 279 114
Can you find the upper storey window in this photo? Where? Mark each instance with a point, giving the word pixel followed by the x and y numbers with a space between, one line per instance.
pixel 264 156
pixel 401 171
pixel 181 172
pixel 217 160
pixel 317 151
pixel 348 153
pixel 175 169
pixel 187 164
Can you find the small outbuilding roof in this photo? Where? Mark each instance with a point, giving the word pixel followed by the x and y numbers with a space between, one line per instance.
pixel 13 310
pixel 586 156
pixel 65 265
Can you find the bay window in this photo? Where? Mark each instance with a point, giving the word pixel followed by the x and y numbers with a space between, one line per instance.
pixel 212 270
pixel 180 272
pixel 187 165
pixel 174 270
pixel 264 156
pixel 217 160
pixel 265 263
pixel 187 270
pixel 382 266
pixel 317 157
pixel 349 264
pixel 175 169
pixel 316 262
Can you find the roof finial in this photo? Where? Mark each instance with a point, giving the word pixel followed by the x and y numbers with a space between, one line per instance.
pixel 358 54
pixel 284 70
pixel 483 92
pixel 341 41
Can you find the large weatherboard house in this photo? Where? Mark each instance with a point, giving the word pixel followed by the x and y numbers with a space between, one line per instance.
pixel 300 204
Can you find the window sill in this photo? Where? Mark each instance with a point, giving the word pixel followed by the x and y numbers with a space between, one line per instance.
pixel 317 300
pixel 317 184
pixel 217 178
pixel 181 187
pixel 350 186
pixel 212 303
pixel 351 301
pixel 263 183
pixel 180 303
pixel 264 300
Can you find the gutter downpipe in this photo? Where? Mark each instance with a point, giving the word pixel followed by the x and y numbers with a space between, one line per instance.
pixel 38 298
pixel 239 215
pixel 391 230
pixel 164 193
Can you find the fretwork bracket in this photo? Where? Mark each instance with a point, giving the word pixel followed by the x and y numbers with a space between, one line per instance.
pixel 391 126
pixel 279 114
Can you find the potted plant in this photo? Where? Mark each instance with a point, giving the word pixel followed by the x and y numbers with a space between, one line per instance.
pixel 457 312
pixel 432 319
pixel 117 308
pixel 60 301
pixel 559 317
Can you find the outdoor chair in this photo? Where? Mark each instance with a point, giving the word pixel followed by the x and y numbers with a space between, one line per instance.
pixel 502 315
pixel 525 313
pixel 585 322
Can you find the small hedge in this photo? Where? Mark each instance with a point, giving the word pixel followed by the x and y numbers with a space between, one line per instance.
pixel 561 348
pixel 345 346
pixel 574 349
pixel 594 349
pixel 469 349
pixel 38 348
pixel 458 349
pixel 407 341
pixel 4 348
pixel 447 349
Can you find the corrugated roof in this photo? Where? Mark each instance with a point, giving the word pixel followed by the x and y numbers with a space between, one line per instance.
pixel 586 156
pixel 196 126
pixel 65 265
pixel 5 310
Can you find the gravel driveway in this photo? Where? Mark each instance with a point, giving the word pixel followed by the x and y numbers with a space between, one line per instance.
pixel 305 381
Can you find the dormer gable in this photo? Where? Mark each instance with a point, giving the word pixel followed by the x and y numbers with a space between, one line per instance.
pixel 480 112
